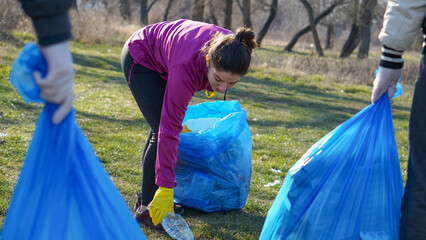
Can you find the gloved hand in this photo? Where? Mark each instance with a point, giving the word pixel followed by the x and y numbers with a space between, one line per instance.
pixel 58 86
pixel 210 94
pixel 185 129
pixel 161 204
pixel 386 80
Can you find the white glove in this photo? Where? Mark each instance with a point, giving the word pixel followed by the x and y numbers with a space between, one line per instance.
pixel 58 86
pixel 386 80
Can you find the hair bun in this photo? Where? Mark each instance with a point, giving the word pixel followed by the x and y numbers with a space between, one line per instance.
pixel 247 36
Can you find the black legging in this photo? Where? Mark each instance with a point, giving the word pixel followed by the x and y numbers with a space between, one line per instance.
pixel 148 90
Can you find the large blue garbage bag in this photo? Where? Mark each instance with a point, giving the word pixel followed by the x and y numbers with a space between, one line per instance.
pixel 63 191
pixel 346 186
pixel 213 168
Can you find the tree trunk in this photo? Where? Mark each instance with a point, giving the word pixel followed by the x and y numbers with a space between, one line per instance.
pixel 110 7
pixel 211 10
pixel 351 43
pixel 306 29
pixel 198 10
pixel 246 10
pixel 272 14
pixel 166 12
pixel 365 26
pixel 353 38
pixel 228 15
pixel 329 43
pixel 125 9
pixel 364 46
pixel 313 28
pixel 144 12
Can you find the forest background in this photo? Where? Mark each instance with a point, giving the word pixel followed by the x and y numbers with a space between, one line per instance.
pixel 343 28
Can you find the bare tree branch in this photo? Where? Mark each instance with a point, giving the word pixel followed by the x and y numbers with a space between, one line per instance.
pixel 313 28
pixel 239 5
pixel 228 14
pixel 307 29
pixel 272 14
pixel 166 11
pixel 151 4
pixel 246 10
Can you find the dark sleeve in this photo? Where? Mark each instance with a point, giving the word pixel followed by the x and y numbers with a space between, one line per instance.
pixel 50 19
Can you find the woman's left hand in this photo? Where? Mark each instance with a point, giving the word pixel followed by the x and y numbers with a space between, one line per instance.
pixel 161 204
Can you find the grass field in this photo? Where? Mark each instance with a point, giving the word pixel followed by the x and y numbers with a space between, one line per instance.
pixel 287 114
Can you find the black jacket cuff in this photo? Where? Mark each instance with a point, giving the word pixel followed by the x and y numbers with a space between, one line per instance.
pixel 52 29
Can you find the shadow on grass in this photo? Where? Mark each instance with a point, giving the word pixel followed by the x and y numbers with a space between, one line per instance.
pixel 305 90
pixel 401 108
pixel 280 50
pixel 88 60
pixel 401 116
pixel 127 122
pixel 270 50
pixel 323 110
pixel 88 76
pixel 226 224
pixel 29 109
pixel 102 63
pixel 266 123
pixel 35 109
pixel 10 39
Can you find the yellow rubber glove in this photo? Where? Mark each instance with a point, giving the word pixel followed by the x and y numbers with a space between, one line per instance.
pixel 210 94
pixel 161 204
pixel 185 129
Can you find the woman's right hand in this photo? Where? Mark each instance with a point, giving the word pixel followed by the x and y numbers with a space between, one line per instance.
pixel 161 204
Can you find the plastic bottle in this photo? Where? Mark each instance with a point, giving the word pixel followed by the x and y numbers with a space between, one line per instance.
pixel 176 227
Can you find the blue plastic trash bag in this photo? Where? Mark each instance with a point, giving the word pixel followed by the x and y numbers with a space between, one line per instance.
pixel 346 186
pixel 63 191
pixel 213 168
pixel 21 75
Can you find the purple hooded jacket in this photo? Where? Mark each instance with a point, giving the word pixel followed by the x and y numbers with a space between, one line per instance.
pixel 173 50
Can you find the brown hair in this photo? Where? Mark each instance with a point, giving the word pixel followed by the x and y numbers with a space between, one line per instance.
pixel 232 53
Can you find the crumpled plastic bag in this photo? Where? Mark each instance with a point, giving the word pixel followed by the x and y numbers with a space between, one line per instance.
pixel 213 169
pixel 63 191
pixel 348 185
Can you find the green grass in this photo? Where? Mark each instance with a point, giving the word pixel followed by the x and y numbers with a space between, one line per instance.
pixel 286 115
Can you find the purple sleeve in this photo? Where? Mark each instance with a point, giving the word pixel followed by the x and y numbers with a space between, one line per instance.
pixel 179 92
